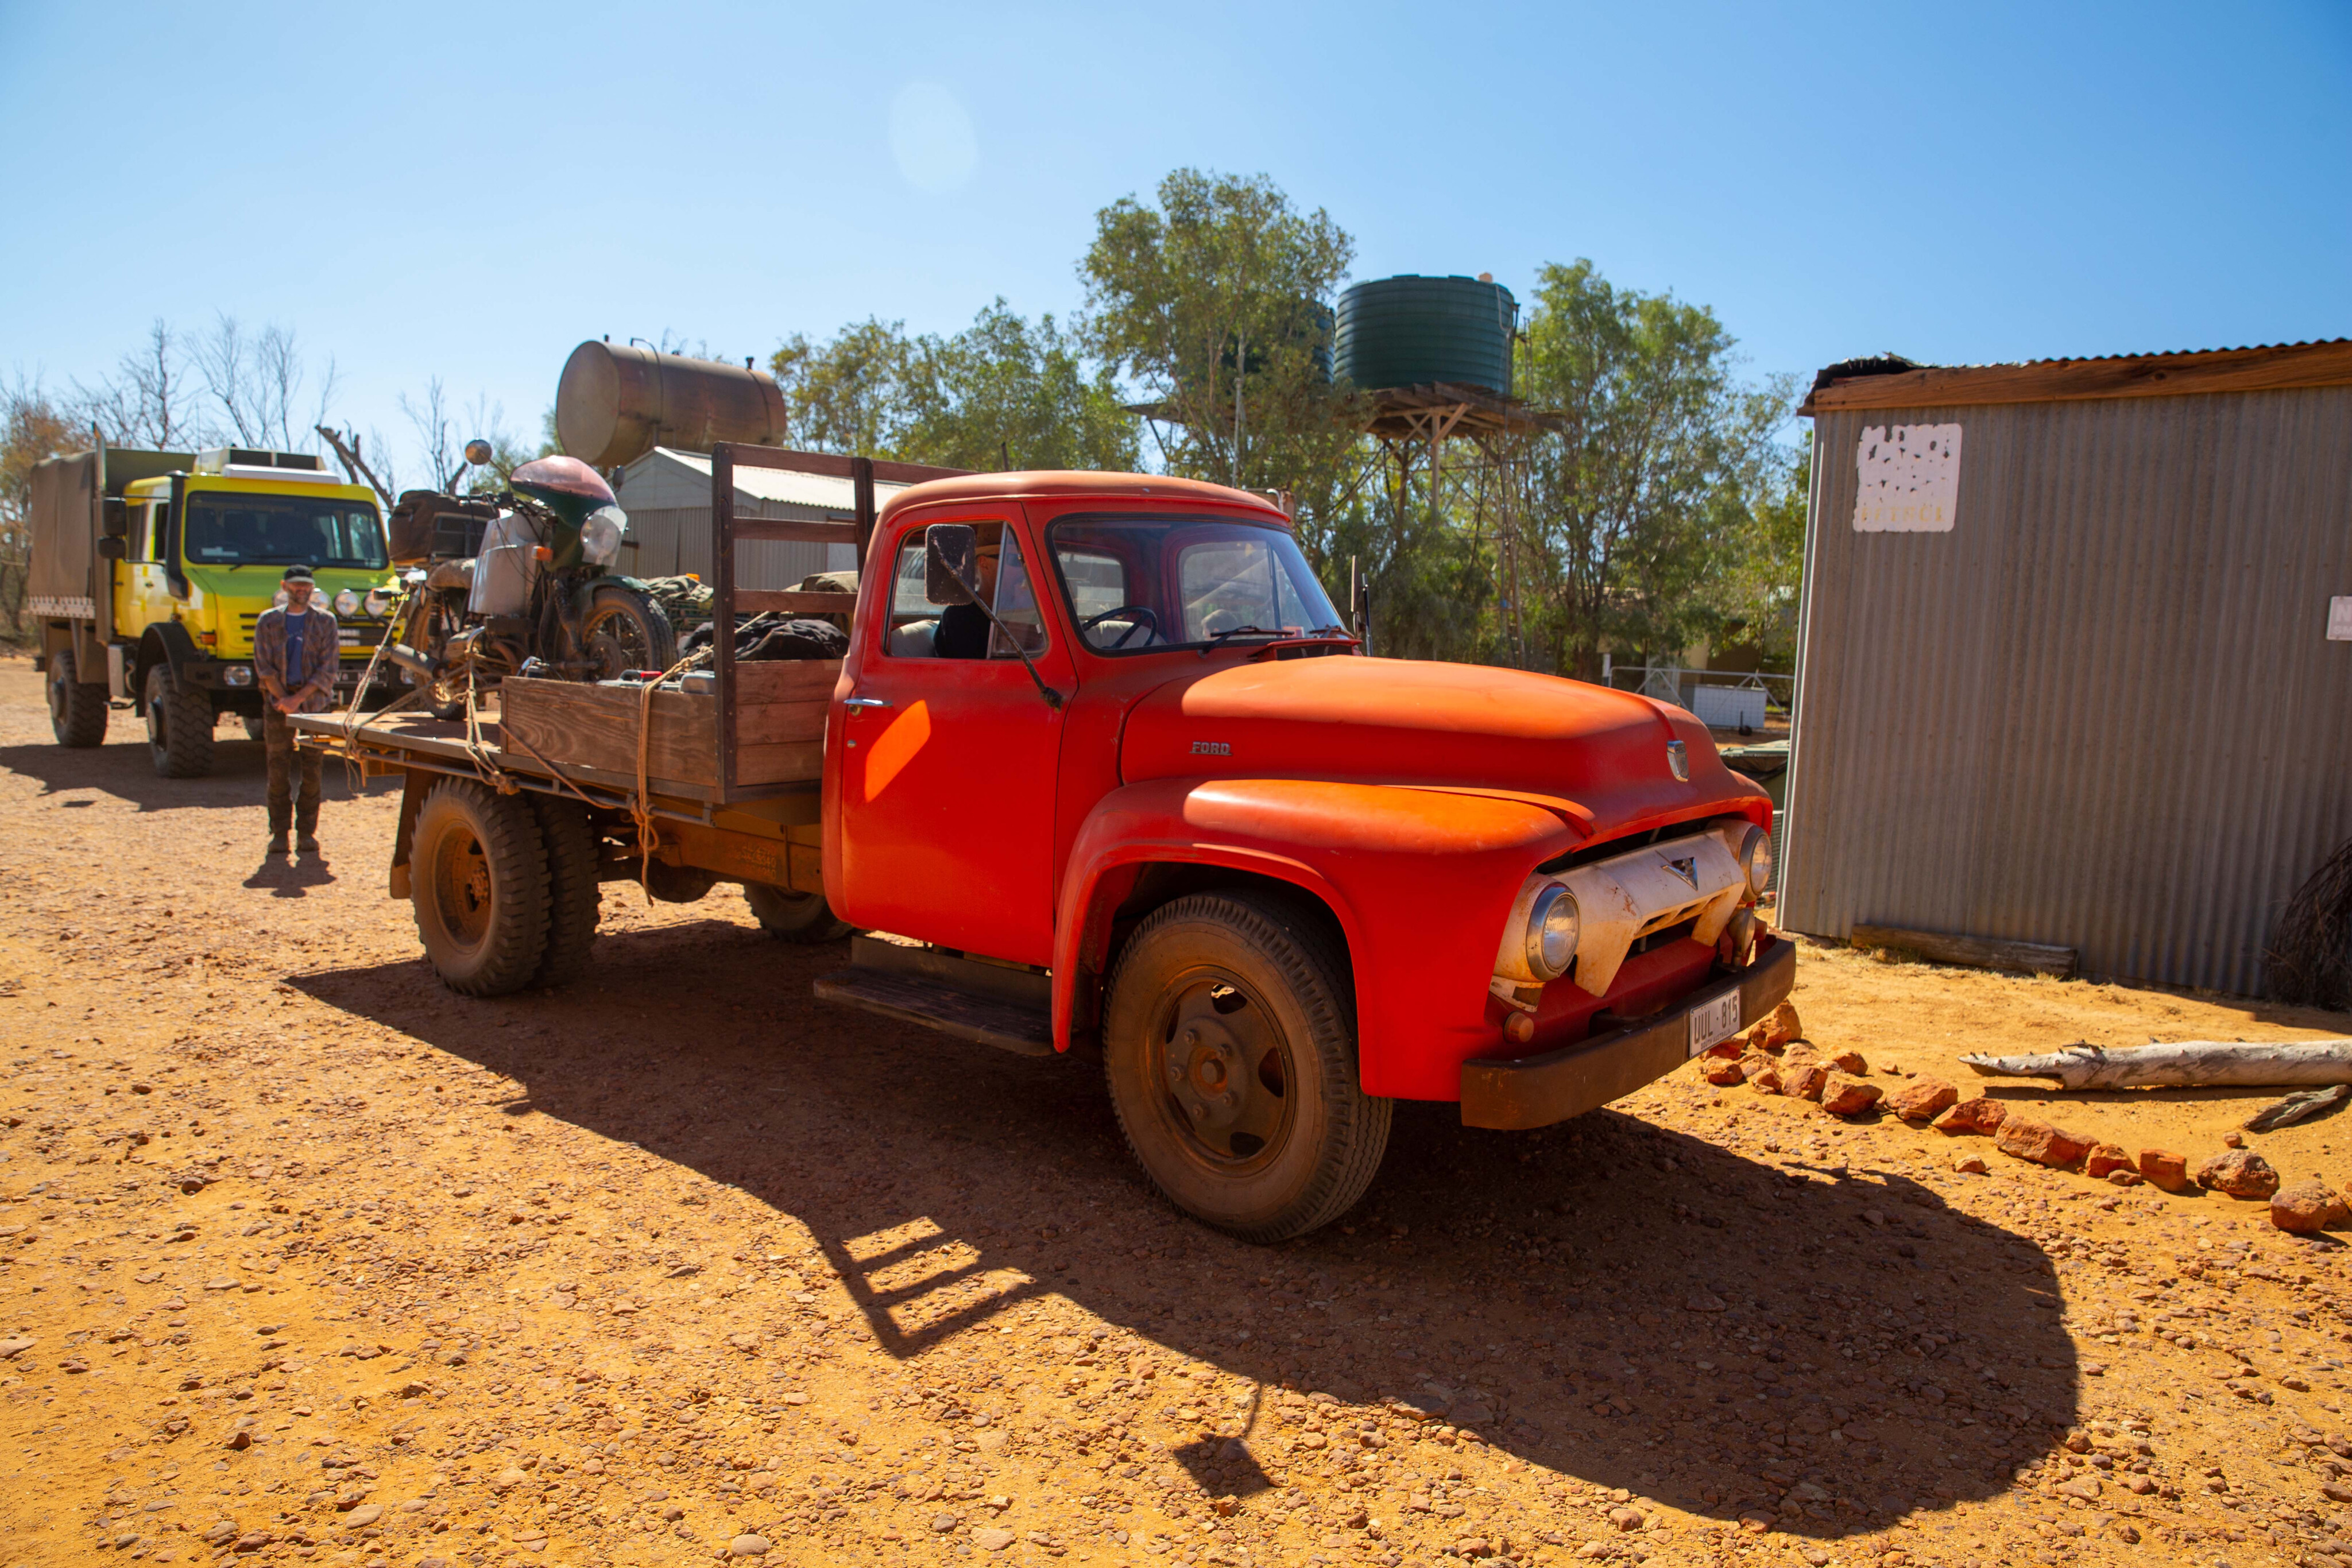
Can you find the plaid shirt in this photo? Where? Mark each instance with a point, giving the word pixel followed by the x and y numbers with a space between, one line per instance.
pixel 322 651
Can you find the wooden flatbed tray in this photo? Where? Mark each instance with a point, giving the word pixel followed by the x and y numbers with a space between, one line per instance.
pixel 780 711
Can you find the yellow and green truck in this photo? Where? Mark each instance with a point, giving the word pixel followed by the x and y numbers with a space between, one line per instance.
pixel 149 568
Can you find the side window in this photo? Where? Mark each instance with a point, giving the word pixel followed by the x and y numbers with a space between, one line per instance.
pixel 919 629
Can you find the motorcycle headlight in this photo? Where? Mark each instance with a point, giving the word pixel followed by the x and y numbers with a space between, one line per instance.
pixel 599 536
pixel 378 602
pixel 1756 859
pixel 347 602
pixel 1553 926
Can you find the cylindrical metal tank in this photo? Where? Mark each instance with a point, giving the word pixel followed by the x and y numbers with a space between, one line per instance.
pixel 1407 331
pixel 619 402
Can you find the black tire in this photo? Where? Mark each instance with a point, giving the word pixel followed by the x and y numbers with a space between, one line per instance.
pixel 77 712
pixel 253 727
pixel 477 880
pixel 625 630
pixel 179 726
pixel 569 836
pixel 1264 1130
pixel 788 916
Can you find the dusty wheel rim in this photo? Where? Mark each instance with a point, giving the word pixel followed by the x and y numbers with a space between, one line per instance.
pixel 617 641
pixel 462 898
pixel 1225 1080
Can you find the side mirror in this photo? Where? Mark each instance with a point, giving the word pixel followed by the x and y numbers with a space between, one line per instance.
pixel 116 519
pixel 113 548
pixel 950 563
pixel 478 452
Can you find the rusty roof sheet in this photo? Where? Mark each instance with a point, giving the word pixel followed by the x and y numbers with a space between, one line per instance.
pixel 2325 361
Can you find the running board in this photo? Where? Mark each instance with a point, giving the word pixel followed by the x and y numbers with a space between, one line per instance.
pixel 973 999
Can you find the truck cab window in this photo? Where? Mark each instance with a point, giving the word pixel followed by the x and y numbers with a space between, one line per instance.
pixel 919 629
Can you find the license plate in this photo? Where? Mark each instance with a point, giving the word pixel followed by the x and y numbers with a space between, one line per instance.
pixel 1713 1021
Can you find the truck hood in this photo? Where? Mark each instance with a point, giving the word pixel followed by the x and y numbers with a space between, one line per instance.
pixel 1418 723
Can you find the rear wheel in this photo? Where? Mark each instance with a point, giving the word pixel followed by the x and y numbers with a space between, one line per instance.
pixel 1229 1047
pixel 77 712
pixel 477 880
pixel 253 727
pixel 570 838
pixel 789 916
pixel 179 726
pixel 625 630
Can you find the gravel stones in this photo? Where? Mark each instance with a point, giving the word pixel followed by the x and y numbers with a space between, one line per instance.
pixel 2307 1207
pixel 1763 1074
pixel 2024 1138
pixel 1977 1114
pixel 747 1546
pixel 1969 1163
pixel 992 1539
pixel 1850 1062
pixel 1923 1100
pixel 1725 1074
pixel 2163 1168
pixel 1844 1096
pixel 2241 1173
pixel 362 1516
pixel 1804 1080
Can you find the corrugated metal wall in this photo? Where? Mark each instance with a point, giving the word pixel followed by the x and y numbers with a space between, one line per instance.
pixel 672 539
pixel 2101 711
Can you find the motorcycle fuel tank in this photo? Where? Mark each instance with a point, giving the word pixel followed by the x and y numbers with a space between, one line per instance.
pixel 506 569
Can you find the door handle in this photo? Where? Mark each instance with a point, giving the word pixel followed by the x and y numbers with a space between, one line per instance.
pixel 864 702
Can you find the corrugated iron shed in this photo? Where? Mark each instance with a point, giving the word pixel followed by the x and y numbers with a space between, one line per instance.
pixel 667 494
pixel 2065 674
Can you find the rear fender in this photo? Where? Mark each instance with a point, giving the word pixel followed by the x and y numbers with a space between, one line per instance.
pixel 1418 880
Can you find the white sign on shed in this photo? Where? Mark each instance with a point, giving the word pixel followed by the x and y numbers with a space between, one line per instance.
pixel 1909 479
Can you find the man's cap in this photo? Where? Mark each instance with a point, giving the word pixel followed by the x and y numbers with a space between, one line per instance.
pixel 297 572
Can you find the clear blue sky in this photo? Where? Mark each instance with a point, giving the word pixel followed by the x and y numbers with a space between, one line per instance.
pixel 468 190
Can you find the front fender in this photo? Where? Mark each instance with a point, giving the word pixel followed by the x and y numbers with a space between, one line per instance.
pixel 165 643
pixel 582 595
pixel 1419 879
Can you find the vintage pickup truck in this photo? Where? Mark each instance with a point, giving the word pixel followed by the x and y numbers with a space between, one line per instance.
pixel 1103 773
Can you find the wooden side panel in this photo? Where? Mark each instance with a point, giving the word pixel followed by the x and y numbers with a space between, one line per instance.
pixel 596 727
pixel 788 680
pixel 779 764
pixel 775 723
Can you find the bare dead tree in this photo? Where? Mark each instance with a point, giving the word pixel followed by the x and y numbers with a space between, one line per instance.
pixel 146 401
pixel 347 448
pixel 257 380
pixel 444 450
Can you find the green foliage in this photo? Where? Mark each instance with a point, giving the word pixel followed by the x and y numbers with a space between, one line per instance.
pixel 1217 302
pixel 1651 490
pixel 1002 391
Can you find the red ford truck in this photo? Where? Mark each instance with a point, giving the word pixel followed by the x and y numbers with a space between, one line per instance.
pixel 1102 771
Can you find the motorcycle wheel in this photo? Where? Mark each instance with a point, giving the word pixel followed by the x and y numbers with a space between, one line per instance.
pixel 625 630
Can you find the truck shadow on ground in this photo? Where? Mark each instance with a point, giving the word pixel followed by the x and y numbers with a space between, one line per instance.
pixel 1626 1305
pixel 122 768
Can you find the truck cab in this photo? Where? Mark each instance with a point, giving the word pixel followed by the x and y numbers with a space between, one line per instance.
pixel 1277 884
pixel 189 550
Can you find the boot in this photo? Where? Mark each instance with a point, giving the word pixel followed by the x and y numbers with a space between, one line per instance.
pixel 307 842
pixel 278 842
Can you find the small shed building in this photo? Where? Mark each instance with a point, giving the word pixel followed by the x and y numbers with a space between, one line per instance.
pixel 667 494
pixel 2075 663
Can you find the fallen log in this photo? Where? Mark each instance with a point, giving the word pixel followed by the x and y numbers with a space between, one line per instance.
pixel 2182 1065
pixel 2296 1108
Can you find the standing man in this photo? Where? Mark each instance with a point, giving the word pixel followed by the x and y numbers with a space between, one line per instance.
pixel 296 653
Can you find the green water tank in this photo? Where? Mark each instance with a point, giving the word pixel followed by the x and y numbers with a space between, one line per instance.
pixel 1405 331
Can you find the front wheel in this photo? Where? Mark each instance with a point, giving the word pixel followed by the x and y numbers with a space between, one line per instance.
pixel 1229 1047
pixel 625 630
pixel 77 712
pixel 788 916
pixel 179 726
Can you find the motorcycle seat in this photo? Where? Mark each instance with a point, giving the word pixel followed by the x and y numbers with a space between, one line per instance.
pixel 451 574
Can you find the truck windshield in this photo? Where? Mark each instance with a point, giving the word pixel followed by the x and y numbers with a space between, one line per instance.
pixel 229 529
pixel 1138 582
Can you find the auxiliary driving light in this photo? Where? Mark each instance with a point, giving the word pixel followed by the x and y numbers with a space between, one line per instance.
pixel 347 602
pixel 236 676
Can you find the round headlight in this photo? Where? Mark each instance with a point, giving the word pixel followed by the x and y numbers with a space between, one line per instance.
pixel 599 536
pixel 1756 859
pixel 347 602
pixel 378 601
pixel 1553 930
